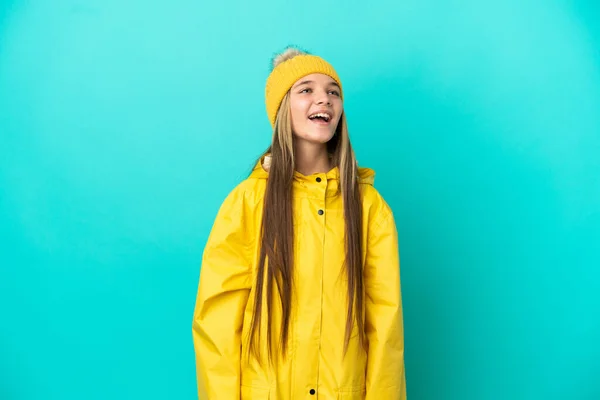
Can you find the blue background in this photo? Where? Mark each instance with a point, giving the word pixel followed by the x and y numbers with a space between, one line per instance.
pixel 123 125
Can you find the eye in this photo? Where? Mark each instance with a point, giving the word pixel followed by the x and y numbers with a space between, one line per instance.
pixel 306 90
pixel 335 92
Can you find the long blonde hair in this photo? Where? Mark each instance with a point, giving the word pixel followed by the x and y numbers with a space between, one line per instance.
pixel 276 242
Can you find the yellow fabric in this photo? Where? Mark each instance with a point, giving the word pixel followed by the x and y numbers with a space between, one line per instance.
pixel 224 303
pixel 283 77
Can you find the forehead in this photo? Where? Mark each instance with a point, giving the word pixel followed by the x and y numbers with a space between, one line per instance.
pixel 320 79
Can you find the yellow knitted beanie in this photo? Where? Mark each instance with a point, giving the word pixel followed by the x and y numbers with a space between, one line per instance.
pixel 283 77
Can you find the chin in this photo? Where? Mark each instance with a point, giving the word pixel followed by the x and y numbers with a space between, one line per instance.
pixel 316 137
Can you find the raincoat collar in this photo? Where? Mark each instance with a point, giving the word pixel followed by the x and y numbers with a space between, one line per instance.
pixel 260 171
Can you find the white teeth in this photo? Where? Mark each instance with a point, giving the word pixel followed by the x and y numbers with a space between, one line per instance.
pixel 322 115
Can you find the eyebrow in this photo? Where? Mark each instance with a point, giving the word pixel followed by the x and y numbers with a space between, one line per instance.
pixel 332 83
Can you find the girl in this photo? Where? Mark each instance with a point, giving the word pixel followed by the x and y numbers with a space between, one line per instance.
pixel 299 291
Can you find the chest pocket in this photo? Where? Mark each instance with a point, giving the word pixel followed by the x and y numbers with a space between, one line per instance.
pixel 255 393
pixel 350 394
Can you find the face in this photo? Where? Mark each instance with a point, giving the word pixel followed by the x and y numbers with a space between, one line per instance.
pixel 316 108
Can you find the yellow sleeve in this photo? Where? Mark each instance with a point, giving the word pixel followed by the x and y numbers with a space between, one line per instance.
pixel 223 289
pixel 384 324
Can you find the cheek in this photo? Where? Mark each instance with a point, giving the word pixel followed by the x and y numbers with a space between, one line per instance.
pixel 298 112
pixel 339 111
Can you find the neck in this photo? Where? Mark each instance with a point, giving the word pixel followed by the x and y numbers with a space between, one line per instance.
pixel 311 158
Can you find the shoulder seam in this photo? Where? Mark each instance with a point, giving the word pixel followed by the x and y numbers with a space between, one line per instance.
pixel 384 218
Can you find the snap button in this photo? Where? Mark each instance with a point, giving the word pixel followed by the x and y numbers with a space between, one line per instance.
pixel 312 391
pixel 318 179
pixel 320 212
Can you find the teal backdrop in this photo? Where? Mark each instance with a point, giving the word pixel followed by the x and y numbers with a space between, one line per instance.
pixel 124 124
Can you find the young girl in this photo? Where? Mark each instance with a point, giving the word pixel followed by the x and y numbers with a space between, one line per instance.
pixel 299 292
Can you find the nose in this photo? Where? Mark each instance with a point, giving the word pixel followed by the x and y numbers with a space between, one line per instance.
pixel 323 98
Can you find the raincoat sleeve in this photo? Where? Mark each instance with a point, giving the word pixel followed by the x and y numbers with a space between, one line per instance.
pixel 223 289
pixel 385 378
